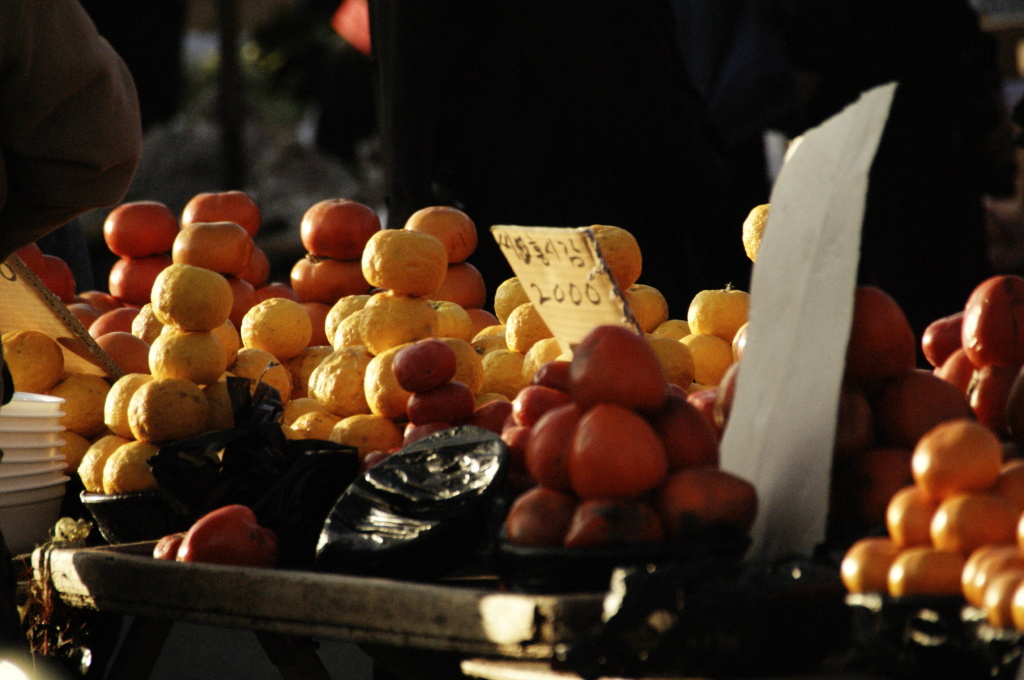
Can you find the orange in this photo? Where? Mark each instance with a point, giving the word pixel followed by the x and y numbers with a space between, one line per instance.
pixel 452 320
pixel 983 564
pixel 115 405
pixel 718 312
pixel 964 522
pixel 216 206
pixel 90 468
pixel 302 365
pixel 865 566
pixel 166 409
pixel 34 359
pixel 127 469
pixel 464 285
pixel 998 597
pixel 223 247
pixel 367 432
pixel 957 456
pixel 621 252
pixel 198 356
pixel 73 449
pixel 337 383
pixel 648 305
pixel 228 335
pixel 312 425
pixel 191 298
pixel 882 344
pixel 258 365
pixel 543 351
pixel 452 227
pixel 914 402
pixel 489 339
pixel 145 325
pixel 84 395
pixel 753 230
pixel 908 517
pixel 279 326
pixel 340 310
pixel 508 295
pixel 391 319
pixel 712 357
pixel 675 359
pixel 298 406
pixel 320 279
pixel 221 415
pixel 503 373
pixel 405 262
pixel 384 395
pixel 524 327
pixel 140 228
pixel 924 570
pixel 349 331
pixel 674 329
pixel 1011 482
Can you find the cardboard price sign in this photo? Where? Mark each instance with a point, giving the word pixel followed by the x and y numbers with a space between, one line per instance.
pixel 567 280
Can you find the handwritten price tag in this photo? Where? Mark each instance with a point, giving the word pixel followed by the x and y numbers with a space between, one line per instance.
pixel 566 279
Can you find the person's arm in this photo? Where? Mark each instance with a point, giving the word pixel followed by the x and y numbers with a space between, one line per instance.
pixel 70 133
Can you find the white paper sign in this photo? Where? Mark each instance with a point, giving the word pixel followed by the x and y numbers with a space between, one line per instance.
pixel 782 423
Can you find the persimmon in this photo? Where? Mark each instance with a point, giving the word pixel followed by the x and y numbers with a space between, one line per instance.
pixel 317 315
pixel 325 280
pixel 131 279
pixel 129 352
pixel 964 522
pixel 243 297
pixel 220 206
pixel 615 364
pixel 689 439
pixel 985 562
pixel 941 338
pixel 223 247
pixel 908 517
pixel 550 444
pixel 957 370
pixel 257 272
pixel 993 323
pixel 119 319
pixel 451 226
pixel 855 423
pixel 957 456
pixel 910 404
pixel 989 395
pixel 610 522
pixel 100 300
pixel 58 278
pixel 481 318
pixel 32 256
pixel 464 285
pixel 705 502
pixel 865 565
pixel 923 570
pixel 140 229
pixel 338 228
pixel 615 454
pixel 276 289
pixel 882 344
pixel 84 312
pixel 540 516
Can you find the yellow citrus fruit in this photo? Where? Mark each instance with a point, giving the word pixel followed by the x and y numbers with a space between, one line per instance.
pixel 337 383
pixel 384 395
pixel 389 319
pixel 278 325
pixel 648 304
pixel 348 332
pixel 145 325
pixel 115 406
pixel 230 338
pixel 452 320
pixel 312 425
pixel 525 327
pixel 719 311
pixel 222 416
pixel 503 373
pixel 73 449
pixel 675 358
pixel 543 351
pixel 753 230
pixel 296 407
pixel 405 262
pixel 259 365
pixel 469 366
pixel 166 409
pixel 621 253
pixel 127 469
pixel 367 433
pixel 90 469
pixel 84 396
pixel 34 359
pixel 191 298
pixel 711 357
pixel 341 310
pixel 302 364
pixel 489 338
pixel 198 356
pixel 673 329
pixel 507 296
pixel 450 226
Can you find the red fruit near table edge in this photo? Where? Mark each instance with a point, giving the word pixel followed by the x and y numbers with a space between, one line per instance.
pixel 230 535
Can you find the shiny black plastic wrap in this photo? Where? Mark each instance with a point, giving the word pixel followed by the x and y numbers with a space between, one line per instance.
pixel 423 512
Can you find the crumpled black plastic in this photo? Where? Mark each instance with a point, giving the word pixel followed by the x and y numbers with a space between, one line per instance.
pixel 422 512
pixel 291 485
pixel 714 617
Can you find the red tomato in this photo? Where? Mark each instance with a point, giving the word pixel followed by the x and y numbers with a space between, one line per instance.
pixel 540 516
pixel 989 396
pixel 615 454
pixel 554 374
pixel 601 522
pixel 338 228
pixel 230 535
pixel 550 445
pixel 167 547
pixel 941 338
pixel 140 229
pixel 533 401
pixel 492 415
pixel 615 364
pixel 452 402
pixel 993 323
pixel 424 365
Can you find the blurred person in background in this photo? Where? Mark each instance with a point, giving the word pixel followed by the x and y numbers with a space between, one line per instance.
pixel 71 140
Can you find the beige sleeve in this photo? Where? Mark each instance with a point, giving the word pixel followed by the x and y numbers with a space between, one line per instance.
pixel 70 133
